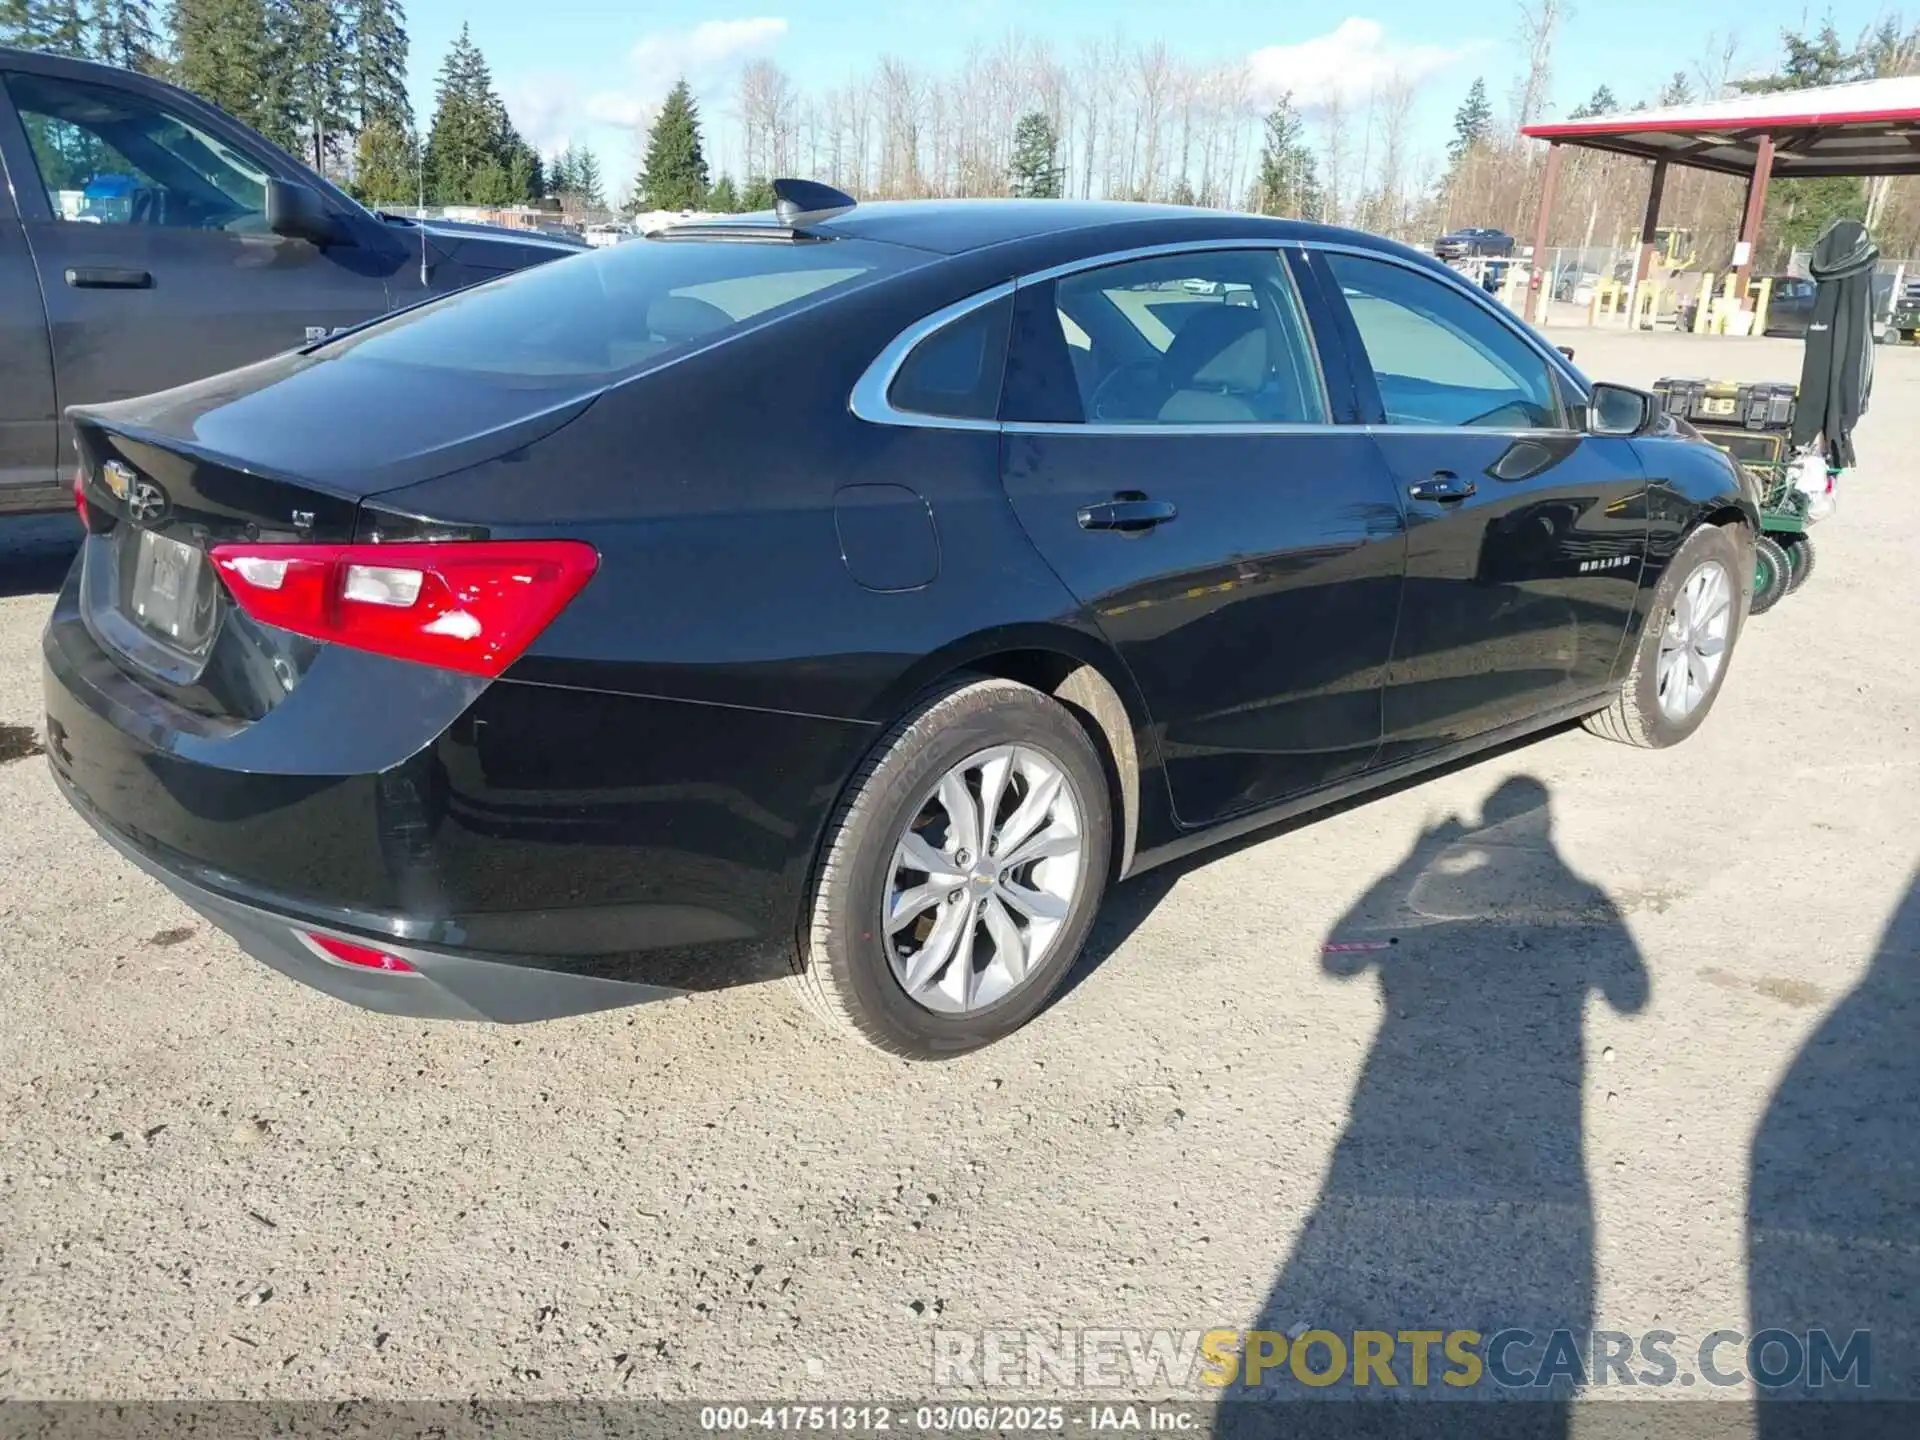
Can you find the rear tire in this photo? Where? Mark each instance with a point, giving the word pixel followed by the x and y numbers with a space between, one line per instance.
pixel 1771 573
pixel 877 923
pixel 1694 617
pixel 1800 560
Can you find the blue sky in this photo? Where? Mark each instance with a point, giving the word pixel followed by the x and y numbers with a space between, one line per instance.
pixel 585 69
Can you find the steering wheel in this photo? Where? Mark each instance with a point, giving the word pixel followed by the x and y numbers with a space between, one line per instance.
pixel 1106 393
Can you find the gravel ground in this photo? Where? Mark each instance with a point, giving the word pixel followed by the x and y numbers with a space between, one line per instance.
pixel 1642 1057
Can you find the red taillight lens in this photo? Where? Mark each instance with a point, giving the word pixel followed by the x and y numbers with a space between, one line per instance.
pixel 80 495
pixel 364 956
pixel 468 605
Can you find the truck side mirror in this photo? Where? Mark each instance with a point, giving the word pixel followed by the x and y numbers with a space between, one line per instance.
pixel 298 212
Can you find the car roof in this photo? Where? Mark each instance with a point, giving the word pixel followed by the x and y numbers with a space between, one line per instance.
pixel 954 227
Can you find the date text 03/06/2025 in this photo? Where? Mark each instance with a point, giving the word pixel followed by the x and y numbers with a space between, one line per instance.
pixel 963 1418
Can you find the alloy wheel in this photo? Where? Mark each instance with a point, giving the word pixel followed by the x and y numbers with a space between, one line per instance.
pixel 983 877
pixel 1693 642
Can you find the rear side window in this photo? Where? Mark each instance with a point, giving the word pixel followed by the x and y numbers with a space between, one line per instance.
pixel 614 311
pixel 1209 338
pixel 955 372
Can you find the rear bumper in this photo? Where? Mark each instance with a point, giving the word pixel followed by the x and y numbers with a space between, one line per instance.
pixel 443 986
pixel 532 849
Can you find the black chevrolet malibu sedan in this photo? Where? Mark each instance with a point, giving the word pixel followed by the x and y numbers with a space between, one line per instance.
pixel 856 590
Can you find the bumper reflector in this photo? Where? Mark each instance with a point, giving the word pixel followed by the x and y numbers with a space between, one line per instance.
pixel 345 952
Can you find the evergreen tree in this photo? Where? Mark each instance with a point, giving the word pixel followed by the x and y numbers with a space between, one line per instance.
pixel 1036 158
pixel 1288 182
pixel 1818 59
pixel 757 195
pixel 1183 192
pixel 1472 122
pixel 586 179
pixel 123 35
pixel 224 53
pixel 491 184
pixel 466 136
pixel 63 29
pixel 560 173
pixel 1677 91
pixel 673 176
pixel 309 79
pixel 385 165
pixel 723 199
pixel 1600 103
pixel 21 24
pixel 377 68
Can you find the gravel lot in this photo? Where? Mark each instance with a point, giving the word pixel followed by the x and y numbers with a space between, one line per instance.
pixel 1651 1018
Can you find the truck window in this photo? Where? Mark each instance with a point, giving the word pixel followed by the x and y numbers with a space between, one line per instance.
pixel 111 158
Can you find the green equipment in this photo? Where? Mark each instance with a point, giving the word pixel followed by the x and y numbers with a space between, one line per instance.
pixel 1752 424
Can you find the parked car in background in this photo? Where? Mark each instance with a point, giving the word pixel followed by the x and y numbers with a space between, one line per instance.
pixel 1904 321
pixel 1576 286
pixel 148 239
pixel 1791 305
pixel 863 588
pixel 1457 244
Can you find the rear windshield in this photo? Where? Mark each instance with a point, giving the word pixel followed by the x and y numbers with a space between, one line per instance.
pixel 610 312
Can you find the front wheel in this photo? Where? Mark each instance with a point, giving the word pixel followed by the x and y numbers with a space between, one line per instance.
pixel 1680 660
pixel 961 873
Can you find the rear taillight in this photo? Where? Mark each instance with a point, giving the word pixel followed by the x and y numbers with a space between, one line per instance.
pixel 80 495
pixel 345 952
pixel 468 605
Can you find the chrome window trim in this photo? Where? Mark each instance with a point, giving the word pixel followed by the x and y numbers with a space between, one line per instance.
pixel 868 400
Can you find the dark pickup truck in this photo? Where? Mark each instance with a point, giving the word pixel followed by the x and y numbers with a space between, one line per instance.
pixel 148 239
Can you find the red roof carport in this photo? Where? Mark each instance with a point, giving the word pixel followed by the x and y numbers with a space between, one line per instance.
pixel 1870 127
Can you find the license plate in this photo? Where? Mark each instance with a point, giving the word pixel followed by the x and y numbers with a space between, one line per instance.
pixel 1716 405
pixel 166 579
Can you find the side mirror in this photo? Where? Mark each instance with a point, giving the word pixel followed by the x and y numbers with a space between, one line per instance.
pixel 1619 411
pixel 298 212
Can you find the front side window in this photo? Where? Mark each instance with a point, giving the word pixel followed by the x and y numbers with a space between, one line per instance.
pixel 1440 359
pixel 1205 338
pixel 110 158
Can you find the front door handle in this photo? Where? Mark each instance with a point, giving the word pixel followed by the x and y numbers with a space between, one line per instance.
pixel 96 277
pixel 1129 511
pixel 1443 486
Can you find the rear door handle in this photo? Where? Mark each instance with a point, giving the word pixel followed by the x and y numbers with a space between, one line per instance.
pixel 1443 486
pixel 95 277
pixel 1128 512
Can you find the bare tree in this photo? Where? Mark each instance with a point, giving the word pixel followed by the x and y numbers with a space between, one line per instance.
pixel 1333 151
pixel 1719 63
pixel 1539 24
pixel 1394 108
pixel 1153 82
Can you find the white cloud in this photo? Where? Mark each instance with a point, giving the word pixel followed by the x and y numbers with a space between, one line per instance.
pixel 703 54
pixel 707 56
pixel 1349 63
pixel 544 110
pixel 550 110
